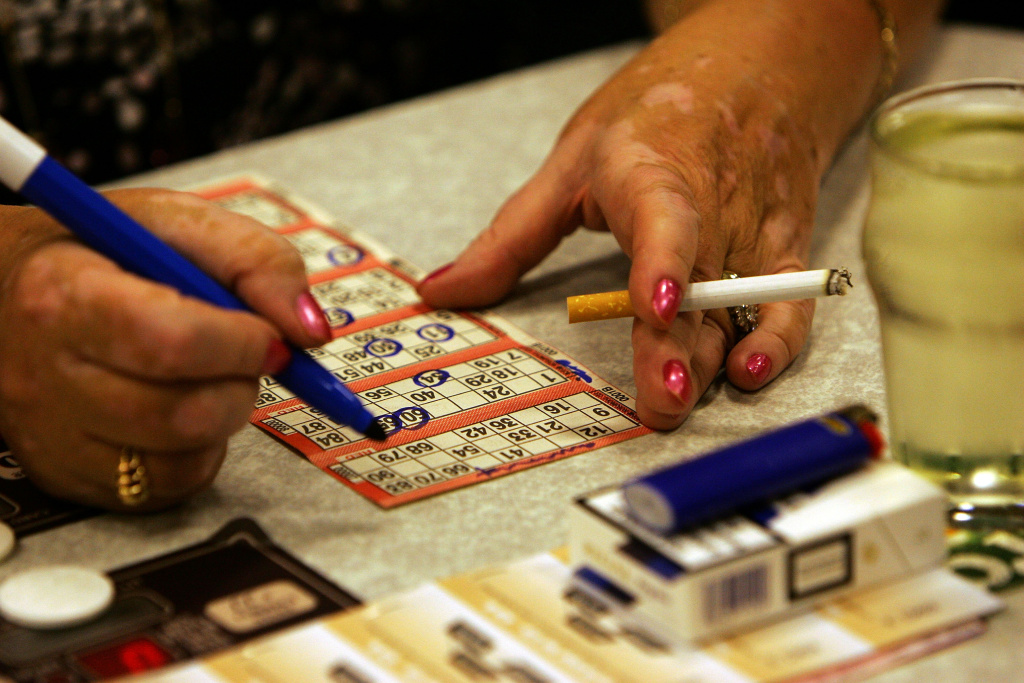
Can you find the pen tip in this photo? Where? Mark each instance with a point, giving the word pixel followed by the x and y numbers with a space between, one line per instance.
pixel 375 432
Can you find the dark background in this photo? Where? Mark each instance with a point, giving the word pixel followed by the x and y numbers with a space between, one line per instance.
pixel 128 85
pixel 134 84
pixel 990 12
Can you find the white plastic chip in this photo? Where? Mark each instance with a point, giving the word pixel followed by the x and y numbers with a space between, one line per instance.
pixel 56 596
pixel 6 541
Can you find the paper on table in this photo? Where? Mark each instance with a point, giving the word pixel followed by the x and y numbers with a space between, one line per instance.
pixel 465 397
pixel 521 619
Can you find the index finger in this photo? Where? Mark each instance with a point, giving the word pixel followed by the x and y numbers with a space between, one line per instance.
pixel 525 230
pixel 132 325
pixel 244 255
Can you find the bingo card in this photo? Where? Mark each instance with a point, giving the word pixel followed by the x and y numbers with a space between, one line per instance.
pixel 463 397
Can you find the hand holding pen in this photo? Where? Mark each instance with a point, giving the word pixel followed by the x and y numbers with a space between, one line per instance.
pixel 97 363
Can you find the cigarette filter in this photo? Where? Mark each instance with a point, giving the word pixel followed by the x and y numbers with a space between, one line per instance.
pixel 603 306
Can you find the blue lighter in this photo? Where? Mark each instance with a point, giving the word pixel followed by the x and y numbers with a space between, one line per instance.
pixel 768 466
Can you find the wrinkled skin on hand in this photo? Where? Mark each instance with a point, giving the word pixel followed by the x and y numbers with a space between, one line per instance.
pixel 93 358
pixel 692 158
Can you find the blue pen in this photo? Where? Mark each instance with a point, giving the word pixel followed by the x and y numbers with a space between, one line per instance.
pixel 27 169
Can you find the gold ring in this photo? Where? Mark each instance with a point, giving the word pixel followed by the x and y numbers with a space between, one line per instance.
pixel 132 480
pixel 744 318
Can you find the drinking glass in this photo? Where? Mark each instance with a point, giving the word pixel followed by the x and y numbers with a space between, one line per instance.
pixel 944 250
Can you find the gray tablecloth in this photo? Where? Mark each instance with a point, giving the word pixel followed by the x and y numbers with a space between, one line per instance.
pixel 423 177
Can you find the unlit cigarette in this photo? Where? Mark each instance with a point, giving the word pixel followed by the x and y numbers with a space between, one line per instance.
pixel 759 289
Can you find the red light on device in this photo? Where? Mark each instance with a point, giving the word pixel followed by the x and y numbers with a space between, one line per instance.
pixel 130 657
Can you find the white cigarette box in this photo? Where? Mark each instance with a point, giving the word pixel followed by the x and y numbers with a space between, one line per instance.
pixel 879 523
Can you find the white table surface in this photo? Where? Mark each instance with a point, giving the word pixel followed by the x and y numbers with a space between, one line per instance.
pixel 423 177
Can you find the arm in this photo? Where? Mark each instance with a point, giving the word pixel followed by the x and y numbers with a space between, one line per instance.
pixel 702 154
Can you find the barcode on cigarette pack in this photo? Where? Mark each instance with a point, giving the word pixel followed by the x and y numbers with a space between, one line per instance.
pixel 740 591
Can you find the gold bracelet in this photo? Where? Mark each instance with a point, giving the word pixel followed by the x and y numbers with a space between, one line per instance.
pixel 890 52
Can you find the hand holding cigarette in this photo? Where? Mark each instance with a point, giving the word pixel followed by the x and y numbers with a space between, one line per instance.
pixel 701 296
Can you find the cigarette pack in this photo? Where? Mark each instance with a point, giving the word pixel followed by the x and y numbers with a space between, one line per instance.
pixel 874 525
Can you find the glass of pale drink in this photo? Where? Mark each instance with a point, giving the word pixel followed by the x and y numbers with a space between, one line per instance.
pixel 944 249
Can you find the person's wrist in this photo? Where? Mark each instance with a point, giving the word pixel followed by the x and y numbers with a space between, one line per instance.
pixel 842 63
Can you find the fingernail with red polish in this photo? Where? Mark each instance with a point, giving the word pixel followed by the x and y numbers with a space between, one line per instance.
pixel 677 380
pixel 440 271
pixel 312 317
pixel 759 366
pixel 278 357
pixel 666 299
